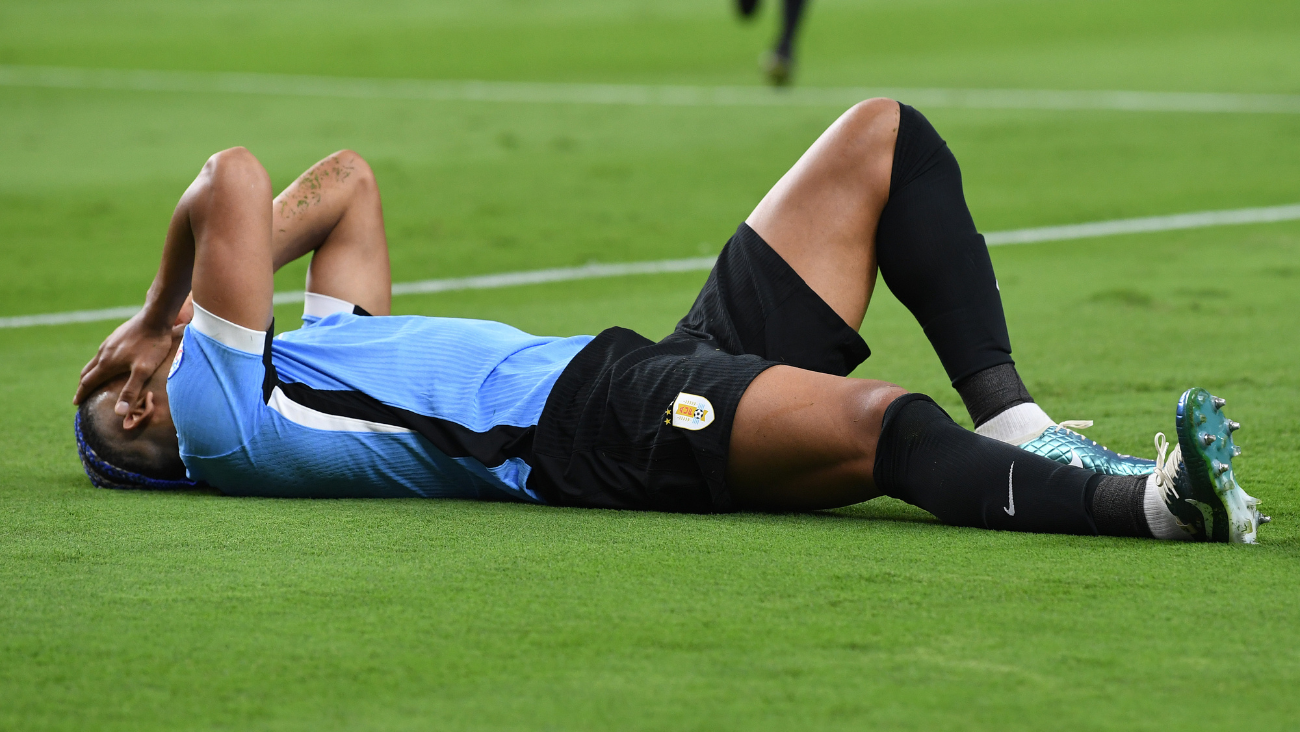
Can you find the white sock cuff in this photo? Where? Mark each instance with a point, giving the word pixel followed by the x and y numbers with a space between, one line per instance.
pixel 1017 425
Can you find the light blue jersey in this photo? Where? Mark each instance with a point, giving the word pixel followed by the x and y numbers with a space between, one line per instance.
pixel 358 406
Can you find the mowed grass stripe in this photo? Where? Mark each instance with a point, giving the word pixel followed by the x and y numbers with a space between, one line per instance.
pixel 635 94
pixel 597 270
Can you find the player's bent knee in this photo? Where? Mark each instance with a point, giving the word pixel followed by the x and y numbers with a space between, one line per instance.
pixel 871 118
pixel 872 108
pixel 805 441
pixel 864 137
pixel 865 415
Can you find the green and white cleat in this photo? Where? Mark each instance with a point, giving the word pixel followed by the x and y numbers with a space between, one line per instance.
pixel 1197 482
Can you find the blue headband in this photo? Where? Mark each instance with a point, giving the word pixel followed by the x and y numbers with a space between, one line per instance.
pixel 106 475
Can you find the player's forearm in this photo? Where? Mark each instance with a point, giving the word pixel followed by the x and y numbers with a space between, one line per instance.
pixel 171 285
pixel 305 214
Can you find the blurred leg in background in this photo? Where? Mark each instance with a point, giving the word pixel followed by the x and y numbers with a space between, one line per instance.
pixel 778 64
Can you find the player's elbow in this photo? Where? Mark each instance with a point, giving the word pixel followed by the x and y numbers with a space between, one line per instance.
pixel 237 168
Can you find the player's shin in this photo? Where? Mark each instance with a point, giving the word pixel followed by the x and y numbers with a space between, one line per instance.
pixel 935 261
pixel 937 264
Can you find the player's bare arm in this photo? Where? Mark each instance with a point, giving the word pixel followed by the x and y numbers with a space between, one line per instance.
pixel 223 244
pixel 333 211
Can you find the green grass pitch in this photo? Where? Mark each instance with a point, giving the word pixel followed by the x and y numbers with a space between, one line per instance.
pixel 133 611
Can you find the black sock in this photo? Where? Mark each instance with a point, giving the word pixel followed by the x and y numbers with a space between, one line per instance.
pixel 992 391
pixel 933 259
pixel 964 479
pixel 926 459
pixel 1117 506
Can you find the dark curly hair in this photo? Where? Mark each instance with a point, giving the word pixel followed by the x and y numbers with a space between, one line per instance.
pixel 109 466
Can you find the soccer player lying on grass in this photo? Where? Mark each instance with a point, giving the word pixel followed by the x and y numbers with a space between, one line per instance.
pixel 746 405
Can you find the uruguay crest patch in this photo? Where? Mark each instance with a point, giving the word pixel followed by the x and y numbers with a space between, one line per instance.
pixel 691 412
pixel 176 362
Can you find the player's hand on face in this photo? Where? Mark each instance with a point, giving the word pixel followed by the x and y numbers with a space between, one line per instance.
pixel 135 348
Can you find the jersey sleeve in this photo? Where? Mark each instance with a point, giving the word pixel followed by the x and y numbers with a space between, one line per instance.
pixel 215 386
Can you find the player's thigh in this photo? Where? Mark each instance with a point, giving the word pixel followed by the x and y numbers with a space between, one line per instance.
pixel 806 440
pixel 821 216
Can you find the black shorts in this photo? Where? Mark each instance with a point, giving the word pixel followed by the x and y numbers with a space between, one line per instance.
pixel 635 424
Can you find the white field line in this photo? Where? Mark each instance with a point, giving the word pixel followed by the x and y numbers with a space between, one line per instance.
pixel 702 263
pixel 539 276
pixel 694 264
pixel 633 94
pixel 480 282
pixel 1145 224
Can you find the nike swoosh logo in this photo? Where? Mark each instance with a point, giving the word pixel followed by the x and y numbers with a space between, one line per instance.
pixel 1074 459
pixel 1011 492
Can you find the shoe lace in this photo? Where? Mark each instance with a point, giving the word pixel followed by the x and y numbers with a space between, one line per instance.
pixel 1167 468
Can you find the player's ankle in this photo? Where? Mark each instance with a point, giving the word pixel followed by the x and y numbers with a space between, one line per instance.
pixel 1162 522
pixel 1116 504
pixel 1131 506
pixel 1000 405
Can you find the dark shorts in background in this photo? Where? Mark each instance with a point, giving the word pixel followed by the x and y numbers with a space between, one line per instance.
pixel 607 437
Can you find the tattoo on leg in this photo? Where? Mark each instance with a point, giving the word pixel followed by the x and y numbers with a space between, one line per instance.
pixel 309 187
